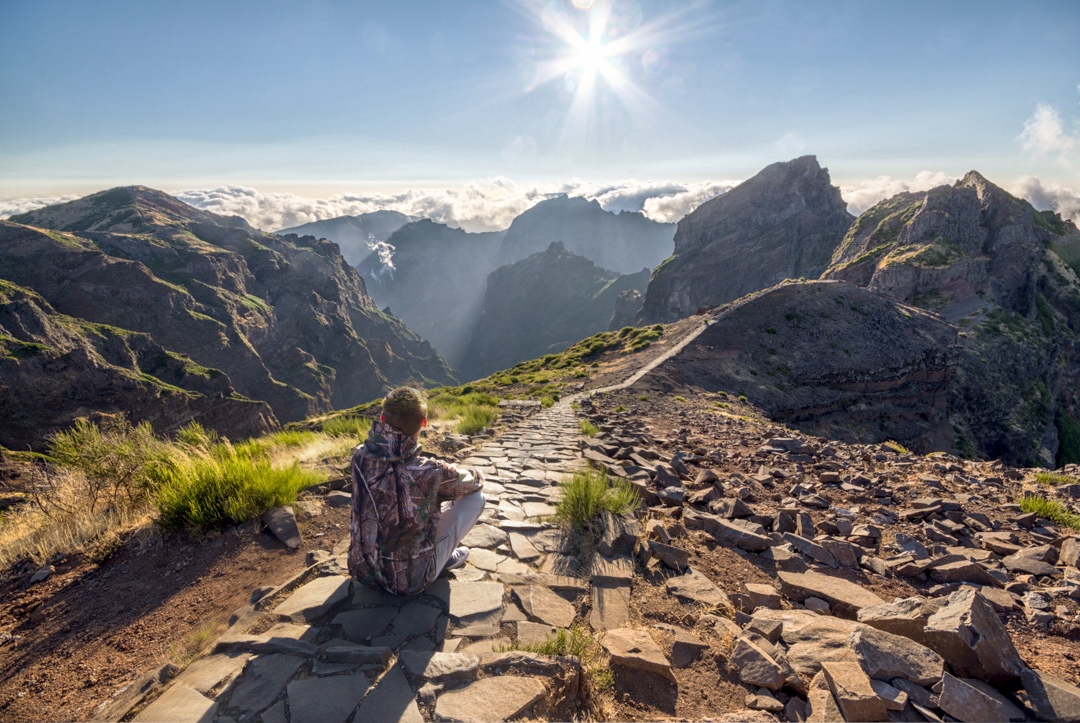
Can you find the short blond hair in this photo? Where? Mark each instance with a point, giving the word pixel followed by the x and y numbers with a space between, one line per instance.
pixel 405 408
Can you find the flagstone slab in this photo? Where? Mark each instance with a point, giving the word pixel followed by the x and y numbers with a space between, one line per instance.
pixel 181 704
pixel 326 700
pixel 545 606
pixel 360 625
pixel 610 607
pixel 392 701
pixel 484 536
pixel 207 673
pixel 314 599
pixel 436 667
pixel 636 649
pixel 264 677
pixel 487 560
pixel 521 546
pixel 490 699
pixel 472 599
pixel 846 598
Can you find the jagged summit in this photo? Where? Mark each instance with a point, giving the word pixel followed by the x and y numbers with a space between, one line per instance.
pixel 782 223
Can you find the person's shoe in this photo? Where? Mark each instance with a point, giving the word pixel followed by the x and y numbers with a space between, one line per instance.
pixel 457 558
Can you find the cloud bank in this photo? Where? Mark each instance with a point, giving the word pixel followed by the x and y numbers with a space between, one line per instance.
pixel 487 205
pixel 1048 196
pixel 14 206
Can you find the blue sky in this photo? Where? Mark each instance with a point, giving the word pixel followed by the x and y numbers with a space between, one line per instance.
pixel 322 99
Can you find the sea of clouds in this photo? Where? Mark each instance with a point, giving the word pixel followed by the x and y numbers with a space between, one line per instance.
pixel 491 204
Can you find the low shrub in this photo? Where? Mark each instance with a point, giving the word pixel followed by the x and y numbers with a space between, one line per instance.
pixel 476 418
pixel 1050 479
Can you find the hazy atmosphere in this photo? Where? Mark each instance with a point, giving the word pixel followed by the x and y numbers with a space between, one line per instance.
pixel 469 113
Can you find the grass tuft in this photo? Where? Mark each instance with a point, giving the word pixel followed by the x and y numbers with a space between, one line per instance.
pixel 1051 510
pixel 588 428
pixel 580 643
pixel 589 492
pixel 1052 479
pixel 895 446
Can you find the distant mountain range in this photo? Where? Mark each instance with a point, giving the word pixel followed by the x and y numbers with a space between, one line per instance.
pixel 130 300
pixel 354 235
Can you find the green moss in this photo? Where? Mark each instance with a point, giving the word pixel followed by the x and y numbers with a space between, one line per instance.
pixel 11 348
pixel 1050 221
pixel 203 317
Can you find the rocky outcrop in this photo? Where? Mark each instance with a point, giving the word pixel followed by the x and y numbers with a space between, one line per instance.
pixel 998 269
pixel 830 358
pixel 542 305
pixel 354 235
pixel 285 318
pixel 54 368
pixel 784 223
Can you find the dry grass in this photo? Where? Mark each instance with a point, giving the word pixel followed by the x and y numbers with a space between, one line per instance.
pixel 60 522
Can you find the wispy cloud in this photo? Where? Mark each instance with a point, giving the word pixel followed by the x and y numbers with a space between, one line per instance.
pixel 1048 196
pixel 1045 134
pixel 864 195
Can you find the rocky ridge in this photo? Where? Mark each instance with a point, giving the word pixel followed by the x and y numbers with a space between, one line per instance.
pixel 783 223
pixel 283 319
pixel 354 235
pixel 772 574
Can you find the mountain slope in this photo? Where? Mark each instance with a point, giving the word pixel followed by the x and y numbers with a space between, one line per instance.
pixel 623 242
pixel 285 318
pixel 354 234
pixel 783 223
pixel 54 368
pixel 542 305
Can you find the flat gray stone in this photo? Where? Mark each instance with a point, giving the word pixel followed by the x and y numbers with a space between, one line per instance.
pixel 612 571
pixel 851 688
pixel 971 701
pixel 356 654
pixel 264 677
pixel 490 699
pixel 207 673
pixel 360 625
pixel 886 656
pixel 281 521
pixel 473 599
pixel 846 598
pixel 392 700
pixel 730 534
pixel 636 649
pixel 545 606
pixel 695 587
pixel 823 639
pixel 811 549
pixel 416 618
pixel 182 705
pixel 484 536
pixel 326 700
pixel 1052 698
pixel 436 667
pixel 314 599
pixel 523 549
pixel 757 664
pixel 273 714
pixel 530 633
pixel 968 633
pixel 610 607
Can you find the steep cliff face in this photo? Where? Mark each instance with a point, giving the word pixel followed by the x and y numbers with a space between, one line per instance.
pixel 354 235
pixel 54 368
pixel 624 242
pixel 436 281
pixel 542 305
pixel 832 359
pixel 783 223
pixel 997 268
pixel 285 318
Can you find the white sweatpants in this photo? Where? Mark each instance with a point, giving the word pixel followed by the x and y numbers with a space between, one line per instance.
pixel 456 520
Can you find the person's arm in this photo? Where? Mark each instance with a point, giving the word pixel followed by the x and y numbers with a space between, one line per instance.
pixel 451 482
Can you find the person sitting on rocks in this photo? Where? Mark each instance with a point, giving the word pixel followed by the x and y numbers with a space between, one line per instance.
pixel 409 513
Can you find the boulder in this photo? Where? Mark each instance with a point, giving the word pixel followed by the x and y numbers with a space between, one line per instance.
pixel 636 649
pixel 973 701
pixel 730 534
pixel 851 687
pixel 885 656
pixel 1052 698
pixel 968 633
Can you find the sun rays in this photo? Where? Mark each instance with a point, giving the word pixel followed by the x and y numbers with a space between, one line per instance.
pixel 600 54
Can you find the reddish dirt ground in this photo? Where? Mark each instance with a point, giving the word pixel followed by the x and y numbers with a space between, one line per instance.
pixel 89 630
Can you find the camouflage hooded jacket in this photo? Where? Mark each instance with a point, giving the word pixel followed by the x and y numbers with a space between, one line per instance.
pixel 396 503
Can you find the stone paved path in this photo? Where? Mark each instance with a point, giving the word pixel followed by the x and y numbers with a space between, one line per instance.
pixel 323 646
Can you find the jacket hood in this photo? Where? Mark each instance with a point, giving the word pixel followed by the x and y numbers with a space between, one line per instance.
pixel 388 443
